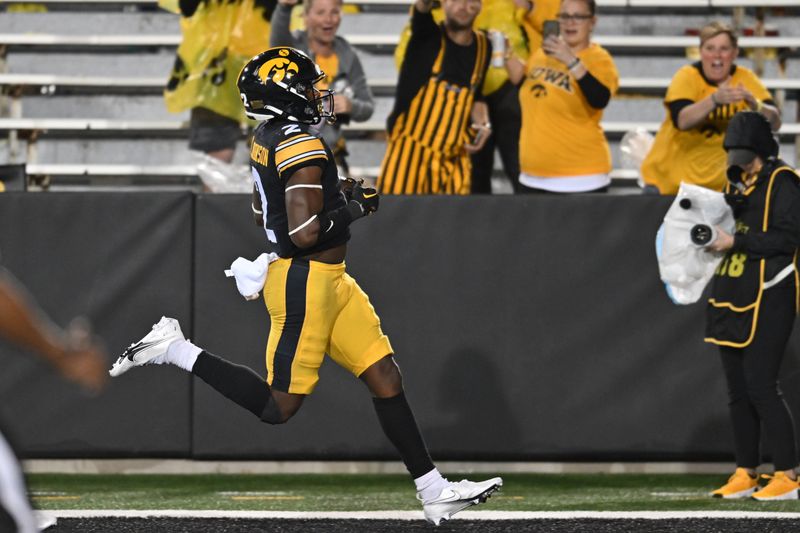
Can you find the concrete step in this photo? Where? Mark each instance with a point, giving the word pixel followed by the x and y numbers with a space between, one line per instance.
pixel 363 152
pixel 145 64
pixel 127 107
pixel 162 22
pixel 130 107
pixel 155 22
pixel 77 23
pixel 162 152
pixel 376 65
pixel 93 64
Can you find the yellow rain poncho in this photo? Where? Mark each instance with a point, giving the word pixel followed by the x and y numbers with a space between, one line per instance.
pixel 218 39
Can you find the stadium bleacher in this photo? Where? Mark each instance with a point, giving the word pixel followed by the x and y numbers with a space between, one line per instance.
pixel 84 79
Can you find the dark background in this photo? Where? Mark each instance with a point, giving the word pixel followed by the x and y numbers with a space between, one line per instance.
pixel 527 328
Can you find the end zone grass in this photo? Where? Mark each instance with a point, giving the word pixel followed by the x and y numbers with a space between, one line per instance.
pixel 363 492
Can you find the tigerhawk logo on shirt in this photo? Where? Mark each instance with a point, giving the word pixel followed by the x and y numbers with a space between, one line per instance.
pixel 555 77
pixel 741 227
pixel 717 120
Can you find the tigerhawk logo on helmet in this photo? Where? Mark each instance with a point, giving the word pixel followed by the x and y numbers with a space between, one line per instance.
pixel 279 83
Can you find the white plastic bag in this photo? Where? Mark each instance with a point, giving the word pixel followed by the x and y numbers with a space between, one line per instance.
pixel 684 263
pixel 222 177
pixel 634 147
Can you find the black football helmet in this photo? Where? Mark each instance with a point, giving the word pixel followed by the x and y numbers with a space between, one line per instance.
pixel 280 83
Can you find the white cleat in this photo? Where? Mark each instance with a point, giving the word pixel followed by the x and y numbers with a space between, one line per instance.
pixel 44 520
pixel 458 496
pixel 153 345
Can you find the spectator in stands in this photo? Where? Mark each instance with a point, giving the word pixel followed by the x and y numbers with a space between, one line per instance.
pixel 753 305
pixel 344 74
pixel 501 96
pixel 532 15
pixel 439 116
pixel 218 39
pixel 566 85
pixel 701 99
pixel 72 352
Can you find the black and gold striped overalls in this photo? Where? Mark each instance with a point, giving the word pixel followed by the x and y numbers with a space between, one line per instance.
pixel 425 153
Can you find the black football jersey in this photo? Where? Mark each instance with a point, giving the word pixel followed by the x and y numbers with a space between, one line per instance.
pixel 279 149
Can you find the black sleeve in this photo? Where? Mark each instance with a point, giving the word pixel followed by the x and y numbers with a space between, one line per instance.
pixel 279 34
pixel 595 92
pixel 420 55
pixel 479 96
pixel 269 7
pixel 675 109
pixel 422 25
pixel 188 7
pixel 783 233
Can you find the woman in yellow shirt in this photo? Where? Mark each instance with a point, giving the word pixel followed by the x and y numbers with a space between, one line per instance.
pixel 701 99
pixel 567 84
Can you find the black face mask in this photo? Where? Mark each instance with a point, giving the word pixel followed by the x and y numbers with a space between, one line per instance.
pixel 737 201
pixel 736 176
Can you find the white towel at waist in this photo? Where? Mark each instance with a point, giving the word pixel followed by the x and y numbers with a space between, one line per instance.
pixel 251 275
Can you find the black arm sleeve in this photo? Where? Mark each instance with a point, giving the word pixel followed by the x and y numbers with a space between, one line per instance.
pixel 675 109
pixel 188 7
pixel 783 234
pixel 422 24
pixel 595 92
pixel 279 27
pixel 334 223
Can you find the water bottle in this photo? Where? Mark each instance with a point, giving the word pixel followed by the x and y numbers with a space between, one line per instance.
pixel 498 48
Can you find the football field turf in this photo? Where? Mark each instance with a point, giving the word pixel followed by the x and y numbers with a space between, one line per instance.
pixel 366 492
pixel 365 503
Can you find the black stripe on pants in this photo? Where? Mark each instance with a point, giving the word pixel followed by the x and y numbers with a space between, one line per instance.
pixel 753 392
pixel 296 280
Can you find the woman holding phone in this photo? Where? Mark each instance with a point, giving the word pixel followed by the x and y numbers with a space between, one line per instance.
pixel 566 85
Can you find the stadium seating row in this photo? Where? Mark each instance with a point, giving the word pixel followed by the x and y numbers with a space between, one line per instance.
pixel 614 43
pixel 50 84
pixel 600 3
pixel 63 140
pixel 168 128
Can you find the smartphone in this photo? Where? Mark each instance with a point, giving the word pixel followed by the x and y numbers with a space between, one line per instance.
pixel 479 134
pixel 550 27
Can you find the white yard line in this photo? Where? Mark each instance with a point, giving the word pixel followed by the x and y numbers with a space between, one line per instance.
pixel 417 515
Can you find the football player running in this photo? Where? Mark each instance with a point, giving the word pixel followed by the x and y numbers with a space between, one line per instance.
pixel 313 304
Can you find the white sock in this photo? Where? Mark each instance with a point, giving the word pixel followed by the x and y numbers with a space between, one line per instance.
pixel 430 485
pixel 183 354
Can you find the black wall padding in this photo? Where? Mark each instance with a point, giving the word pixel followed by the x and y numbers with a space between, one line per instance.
pixel 122 260
pixel 526 328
